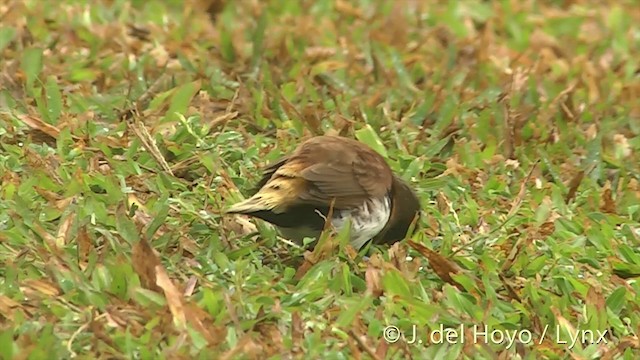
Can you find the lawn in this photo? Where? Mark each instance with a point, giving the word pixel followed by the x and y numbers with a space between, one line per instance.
pixel 128 127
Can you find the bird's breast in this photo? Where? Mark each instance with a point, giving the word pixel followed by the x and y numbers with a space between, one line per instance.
pixel 367 220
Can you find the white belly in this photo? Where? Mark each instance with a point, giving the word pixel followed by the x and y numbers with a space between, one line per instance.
pixel 366 222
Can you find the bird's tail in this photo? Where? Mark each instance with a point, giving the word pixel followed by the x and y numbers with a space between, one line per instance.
pixel 274 196
pixel 262 201
pixel 251 205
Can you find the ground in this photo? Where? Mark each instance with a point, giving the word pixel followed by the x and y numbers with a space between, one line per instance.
pixel 127 127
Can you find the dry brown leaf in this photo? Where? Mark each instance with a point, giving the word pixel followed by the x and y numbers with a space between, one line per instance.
pixel 619 281
pixel 85 245
pixel 49 239
pixel 373 280
pixel 573 186
pixel 442 266
pixel 239 225
pixel 221 120
pixel 297 332
pixel 49 164
pixel 63 203
pixel 201 321
pixel 590 77
pixel 148 142
pixel 246 346
pixel 97 328
pixel 316 53
pixel 453 168
pixel 145 262
pixel 513 254
pixel 622 145
pixel 509 131
pixel 186 243
pixel 307 264
pixel 64 230
pixel 595 297
pixel 43 287
pixel 342 125
pixel 173 296
pixel 591 132
pixel 540 39
pixel 348 9
pixel 608 205
pixel 38 124
pixel 362 344
pixel 47 194
pixel 354 350
pixel 398 259
pixel 110 141
pixel 563 323
pixel 398 255
pixel 54 198
pixel 548 227
pixel 627 342
pixel 324 249
pixel 190 286
pixel 382 349
pixel 350 252
pixel 8 307
pixel 444 205
pixel 271 338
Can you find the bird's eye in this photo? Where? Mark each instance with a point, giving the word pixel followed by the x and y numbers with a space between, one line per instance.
pixel 275 187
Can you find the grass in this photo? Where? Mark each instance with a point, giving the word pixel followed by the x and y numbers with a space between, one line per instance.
pixel 126 127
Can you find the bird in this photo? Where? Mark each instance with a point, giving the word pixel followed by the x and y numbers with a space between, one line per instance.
pixel 296 193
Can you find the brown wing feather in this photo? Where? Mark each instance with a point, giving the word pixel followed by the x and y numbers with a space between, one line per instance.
pixel 331 168
pixel 342 169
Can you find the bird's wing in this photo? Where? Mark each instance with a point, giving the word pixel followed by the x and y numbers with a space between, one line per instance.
pixel 325 170
pixel 344 182
pixel 348 176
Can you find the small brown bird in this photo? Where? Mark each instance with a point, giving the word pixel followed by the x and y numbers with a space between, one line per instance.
pixel 297 191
